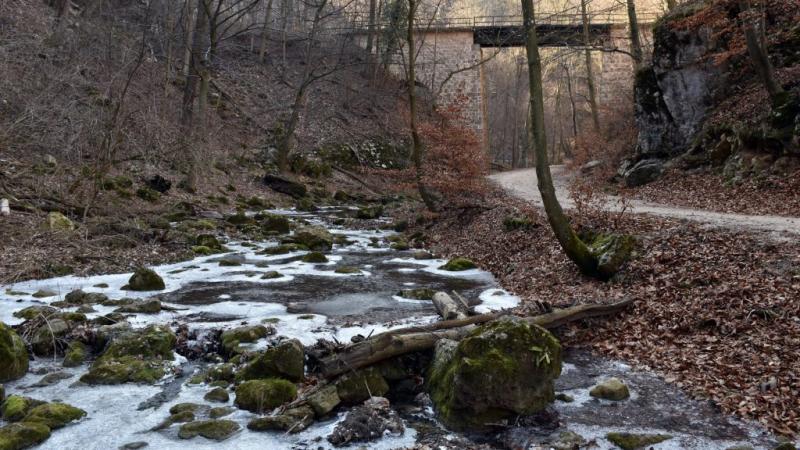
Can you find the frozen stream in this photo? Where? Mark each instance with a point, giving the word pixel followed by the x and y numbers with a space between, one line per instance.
pixel 309 302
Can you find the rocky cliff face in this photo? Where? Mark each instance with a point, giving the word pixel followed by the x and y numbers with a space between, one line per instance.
pixel 707 110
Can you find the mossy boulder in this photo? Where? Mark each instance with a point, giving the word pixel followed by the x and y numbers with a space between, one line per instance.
pixel 272 275
pixel 76 354
pixel 17 436
pixel 260 396
pixel 360 385
pixel 458 265
pixel 293 420
pixel 150 306
pixel 315 258
pixel 145 280
pixel 79 297
pixel 231 339
pixel 324 400
pixel 240 219
pixel 631 441
pixel 136 356
pixel 16 407
pixel 369 212
pixel 220 411
pixel 210 242
pixel 13 355
pixel 273 223
pixel 284 249
pixel 179 417
pixel 32 312
pixel 612 252
pixel 314 238
pixel 54 415
pixel 44 293
pixel 610 389
pixel 58 222
pixel 215 430
pixel 285 360
pixel 218 395
pixel 306 204
pixel 502 370
pixel 347 270
pixel 148 195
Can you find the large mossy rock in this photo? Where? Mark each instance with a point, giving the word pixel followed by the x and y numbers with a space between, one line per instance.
pixel 273 223
pixel 58 222
pixel 136 356
pixel 610 389
pixel 502 370
pixel 293 420
pixel 54 415
pixel 260 396
pixel 17 436
pixel 13 355
pixel 314 238
pixel 286 360
pixel 242 335
pixel 216 430
pixel 16 407
pixel 359 386
pixel 612 252
pixel 145 280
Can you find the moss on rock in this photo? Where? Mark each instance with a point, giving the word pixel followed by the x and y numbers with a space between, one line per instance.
pixel 13 355
pixel 315 258
pixel 260 396
pixel 215 430
pixel 610 389
pixel 76 354
pixel 134 356
pixel 314 238
pixel 273 223
pixel 54 415
pixel 360 385
pixel 16 407
pixel 242 335
pixel 17 436
pixel 612 252
pixel 501 370
pixel 293 420
pixel 458 265
pixel 286 360
pixel 369 212
pixel 218 395
pixel 58 222
pixel 417 294
pixel 145 280
pixel 631 441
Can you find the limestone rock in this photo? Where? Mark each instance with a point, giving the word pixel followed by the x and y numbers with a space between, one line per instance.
pixel 293 420
pixel 243 335
pixel 644 172
pixel 58 222
pixel 314 238
pixel 286 360
pixel 145 280
pixel 216 430
pixel 260 396
pixel 136 356
pixel 610 389
pixel 630 441
pixel 13 355
pixel 503 369
pixel 360 385
pixel 324 400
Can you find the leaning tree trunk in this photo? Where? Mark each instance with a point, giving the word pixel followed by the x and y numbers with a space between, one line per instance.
pixel 265 32
pixel 636 43
pixel 575 249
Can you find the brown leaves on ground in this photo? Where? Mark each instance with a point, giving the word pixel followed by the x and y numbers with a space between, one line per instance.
pixel 717 311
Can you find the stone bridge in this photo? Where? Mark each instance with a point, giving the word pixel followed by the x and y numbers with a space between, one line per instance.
pixel 450 52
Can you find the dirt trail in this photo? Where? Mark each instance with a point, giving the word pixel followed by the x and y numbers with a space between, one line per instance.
pixel 522 183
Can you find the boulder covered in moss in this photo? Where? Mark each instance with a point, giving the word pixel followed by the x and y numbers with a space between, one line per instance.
pixel 231 339
pixel 215 430
pixel 324 400
pixel 260 396
pixel 314 238
pixel 17 436
pixel 293 420
pixel 58 222
pixel 417 294
pixel 218 395
pixel 502 370
pixel 632 441
pixel 136 356
pixel 273 223
pixel 13 355
pixel 32 312
pixel 76 354
pixel 610 389
pixel 54 415
pixel 315 258
pixel 285 360
pixel 369 212
pixel 16 407
pixel 458 265
pixel 145 280
pixel 359 386
pixel 210 242
pixel 612 252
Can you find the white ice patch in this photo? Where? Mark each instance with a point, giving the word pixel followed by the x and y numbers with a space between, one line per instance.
pixel 496 299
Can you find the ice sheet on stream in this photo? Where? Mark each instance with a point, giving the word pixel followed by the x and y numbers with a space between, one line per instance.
pixel 112 416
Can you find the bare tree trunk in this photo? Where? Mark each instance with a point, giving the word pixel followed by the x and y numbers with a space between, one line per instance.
pixel 757 49
pixel 636 43
pixel 190 17
pixel 411 84
pixel 373 5
pixel 573 109
pixel 195 78
pixel 168 35
pixel 262 52
pixel 589 68
pixel 575 249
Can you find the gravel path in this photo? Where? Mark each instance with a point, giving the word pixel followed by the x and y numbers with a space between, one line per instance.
pixel 522 184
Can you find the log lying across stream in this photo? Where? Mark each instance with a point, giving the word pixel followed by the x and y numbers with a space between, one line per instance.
pixel 414 339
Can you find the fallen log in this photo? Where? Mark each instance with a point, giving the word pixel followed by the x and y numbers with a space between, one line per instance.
pixel 449 308
pixel 414 339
